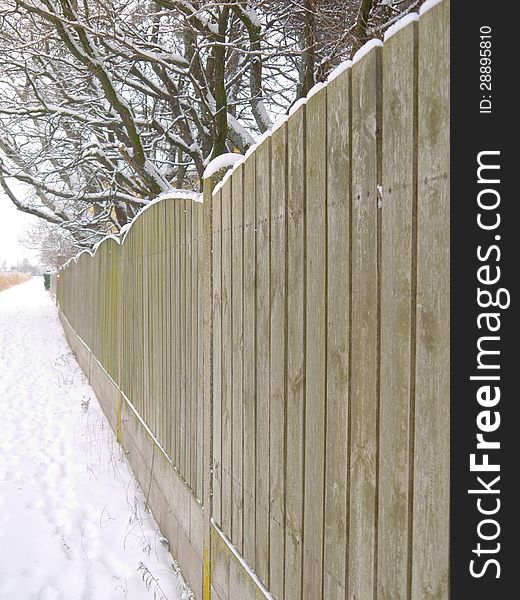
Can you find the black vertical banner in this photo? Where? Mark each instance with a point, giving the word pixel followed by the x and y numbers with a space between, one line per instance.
pixel 485 237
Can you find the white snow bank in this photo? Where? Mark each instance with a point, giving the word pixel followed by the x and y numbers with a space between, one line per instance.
pixel 73 522
pixel 221 162
pixel 365 49
pixel 428 5
pixel 401 24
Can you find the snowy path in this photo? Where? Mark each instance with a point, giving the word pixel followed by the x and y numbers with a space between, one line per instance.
pixel 72 519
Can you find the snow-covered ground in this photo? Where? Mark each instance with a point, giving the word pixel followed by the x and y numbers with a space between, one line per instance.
pixel 73 523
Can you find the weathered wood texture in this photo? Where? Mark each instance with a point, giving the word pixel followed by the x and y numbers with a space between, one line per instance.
pixel 137 306
pixel 398 277
pixel 431 464
pixel 324 349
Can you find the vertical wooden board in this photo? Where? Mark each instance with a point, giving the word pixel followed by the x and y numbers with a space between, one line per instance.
pixel 178 345
pixel 160 259
pixel 153 294
pixel 201 465
pixel 249 390
pixel 277 366
pixel 149 287
pixel 398 208
pixel 176 337
pixel 146 321
pixel 133 332
pixel 137 334
pixel 193 324
pixel 142 324
pixel 182 335
pixel 263 235
pixel 148 307
pixel 430 562
pixel 167 329
pixel 364 319
pixel 170 233
pixel 163 324
pixel 126 309
pixel 338 323
pixel 295 354
pixel 188 343
pixel 155 297
pixel 217 357
pixel 315 352
pixel 227 371
pixel 237 341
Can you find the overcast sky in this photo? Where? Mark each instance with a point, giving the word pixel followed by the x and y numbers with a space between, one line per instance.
pixel 13 224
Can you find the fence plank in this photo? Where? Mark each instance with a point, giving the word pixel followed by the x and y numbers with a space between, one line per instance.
pixel 145 405
pixel 182 336
pixel 159 350
pixel 399 198
pixel 432 426
pixel 227 374
pixel 172 401
pixel 338 323
pixel 217 358
pixel 188 344
pixel 315 376
pixel 364 320
pixel 263 293
pixel 168 327
pixel 177 339
pixel 237 356
pixel 249 464
pixel 202 466
pixel 295 354
pixel 277 366
pixel 194 347
pixel 139 395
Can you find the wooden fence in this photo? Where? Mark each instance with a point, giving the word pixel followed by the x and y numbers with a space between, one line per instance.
pixel 309 411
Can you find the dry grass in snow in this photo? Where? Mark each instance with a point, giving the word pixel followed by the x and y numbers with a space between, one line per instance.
pixel 7 280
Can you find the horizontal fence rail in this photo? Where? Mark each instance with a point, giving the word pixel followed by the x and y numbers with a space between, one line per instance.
pixel 286 342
